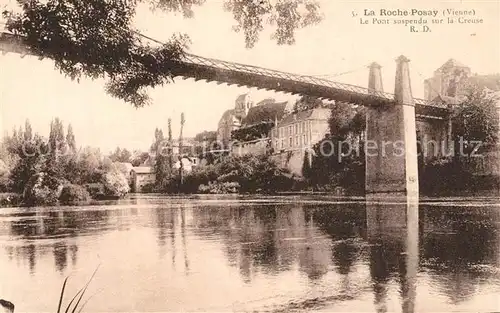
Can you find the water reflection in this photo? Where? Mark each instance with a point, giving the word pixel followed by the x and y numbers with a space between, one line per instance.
pixel 460 249
pixel 393 236
pixel 300 256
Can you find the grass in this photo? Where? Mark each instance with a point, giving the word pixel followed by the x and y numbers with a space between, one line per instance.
pixel 78 297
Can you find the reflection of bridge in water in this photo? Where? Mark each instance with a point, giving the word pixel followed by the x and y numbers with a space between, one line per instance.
pixel 329 244
pixel 390 117
pixel 338 238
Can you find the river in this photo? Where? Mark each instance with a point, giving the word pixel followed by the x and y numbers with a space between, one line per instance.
pixel 263 254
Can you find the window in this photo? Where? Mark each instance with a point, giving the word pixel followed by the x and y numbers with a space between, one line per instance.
pixel 304 139
pixel 303 128
pixel 282 143
pixel 291 142
pixel 296 140
pixel 296 128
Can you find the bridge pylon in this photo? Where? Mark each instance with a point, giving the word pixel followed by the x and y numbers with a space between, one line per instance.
pixel 391 142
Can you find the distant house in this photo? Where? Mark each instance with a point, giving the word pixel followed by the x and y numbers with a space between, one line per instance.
pixel 300 130
pixel 188 163
pixel 296 133
pixel 141 176
pixel 187 148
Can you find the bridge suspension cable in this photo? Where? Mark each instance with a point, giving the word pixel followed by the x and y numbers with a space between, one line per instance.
pixel 341 73
pixel 232 73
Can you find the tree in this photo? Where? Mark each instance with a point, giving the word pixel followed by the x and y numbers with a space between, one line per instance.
pixel 125 156
pixel 204 141
pixel 306 103
pixel 253 173
pixel 158 141
pixel 139 158
pixel 121 155
pixel 339 158
pixel 340 119
pixel 161 166
pixel 306 166
pixel 28 132
pixel 32 159
pixel 476 118
pixel 181 165
pixel 170 145
pixel 358 122
pixel 206 136
pixel 57 142
pixel 115 183
pixel 97 39
pixel 74 194
pixel 70 139
pixel 90 163
pixel 256 131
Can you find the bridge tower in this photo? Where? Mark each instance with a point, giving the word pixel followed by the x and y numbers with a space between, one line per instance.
pixel 391 142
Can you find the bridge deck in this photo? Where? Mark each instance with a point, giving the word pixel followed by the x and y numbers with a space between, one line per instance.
pixel 201 68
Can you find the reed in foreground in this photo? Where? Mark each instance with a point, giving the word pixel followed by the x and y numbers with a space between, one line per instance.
pixel 77 308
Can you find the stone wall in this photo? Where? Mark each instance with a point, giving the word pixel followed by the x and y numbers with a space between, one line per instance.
pixel 292 160
pixel 255 147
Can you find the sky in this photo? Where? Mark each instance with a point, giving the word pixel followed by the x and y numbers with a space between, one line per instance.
pixel 33 89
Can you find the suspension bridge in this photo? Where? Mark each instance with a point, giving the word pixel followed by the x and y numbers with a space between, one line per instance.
pixel 231 73
pixel 390 117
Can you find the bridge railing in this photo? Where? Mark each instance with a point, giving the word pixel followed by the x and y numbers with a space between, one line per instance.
pixel 252 69
pixel 12 43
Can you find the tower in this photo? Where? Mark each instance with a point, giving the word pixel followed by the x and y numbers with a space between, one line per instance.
pixel 242 104
pixel 448 80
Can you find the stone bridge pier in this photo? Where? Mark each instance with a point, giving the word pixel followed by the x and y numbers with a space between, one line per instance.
pixel 391 138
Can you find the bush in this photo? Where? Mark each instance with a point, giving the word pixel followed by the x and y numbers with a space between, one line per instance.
pixel 41 196
pixel 444 176
pixel 95 189
pixel 148 188
pixel 115 183
pixel 38 192
pixel 220 188
pixel 73 194
pixel 9 199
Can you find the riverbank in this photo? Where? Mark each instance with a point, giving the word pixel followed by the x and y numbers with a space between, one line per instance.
pixel 137 200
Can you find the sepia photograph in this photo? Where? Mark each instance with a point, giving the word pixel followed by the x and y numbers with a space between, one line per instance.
pixel 249 156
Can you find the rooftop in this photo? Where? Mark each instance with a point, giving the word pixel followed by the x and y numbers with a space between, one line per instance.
pixel 265 111
pixel 241 97
pixel 452 63
pixel 316 113
pixel 143 169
